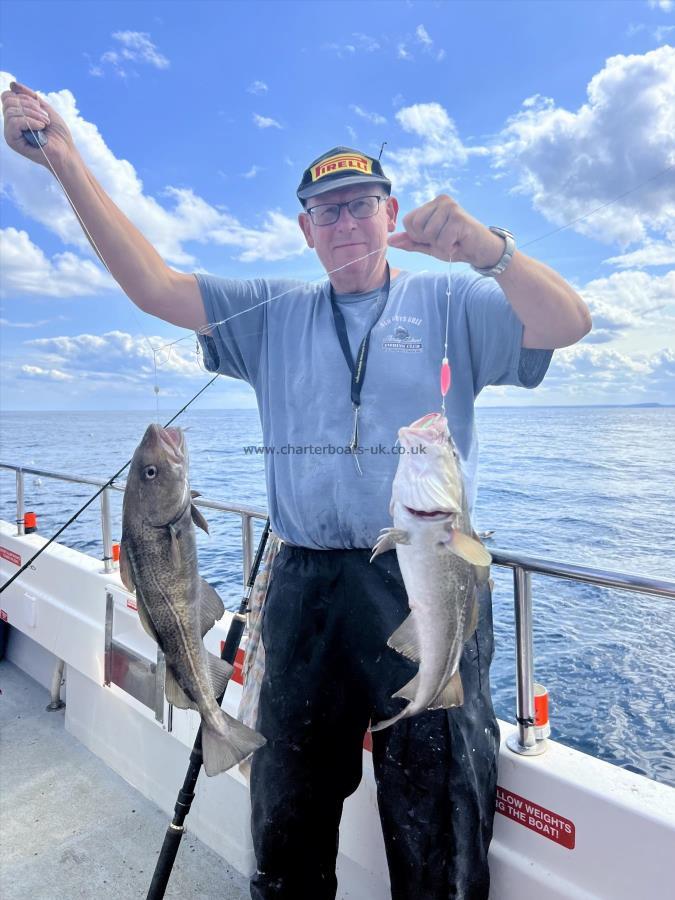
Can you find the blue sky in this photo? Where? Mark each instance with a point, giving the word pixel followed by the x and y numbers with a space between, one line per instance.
pixel 199 118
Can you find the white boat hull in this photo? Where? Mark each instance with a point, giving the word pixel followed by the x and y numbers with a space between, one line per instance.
pixel 568 826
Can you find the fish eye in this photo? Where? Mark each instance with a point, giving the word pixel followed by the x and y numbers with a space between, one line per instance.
pixel 150 472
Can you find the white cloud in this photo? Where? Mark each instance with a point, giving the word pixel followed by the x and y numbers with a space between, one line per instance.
pixel 279 238
pixel 7 323
pixel 625 300
pixel 571 162
pixel 134 47
pixel 366 42
pixel 27 270
pixel 186 217
pixel 253 171
pixel 663 5
pixel 602 374
pixel 662 31
pixel 423 36
pixel 352 133
pixel 265 122
pixel 115 354
pixel 652 253
pixel 360 43
pixel 257 87
pixel 427 169
pixel 373 117
pixel 48 374
pixel 403 53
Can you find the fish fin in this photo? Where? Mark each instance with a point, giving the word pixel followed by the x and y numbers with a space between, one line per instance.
pixel 220 672
pixel 175 546
pixel 409 690
pixel 245 770
pixel 126 572
pixel 472 619
pixel 387 722
pixel 146 621
pixel 451 695
pixel 468 548
pixel 212 607
pixel 405 639
pixel 198 518
pixel 388 539
pixel 175 693
pixel 223 750
pixel 194 494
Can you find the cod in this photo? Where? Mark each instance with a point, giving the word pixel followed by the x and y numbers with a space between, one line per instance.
pixel 442 563
pixel 158 559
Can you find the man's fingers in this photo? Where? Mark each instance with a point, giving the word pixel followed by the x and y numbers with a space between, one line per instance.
pixel 403 241
pixel 17 88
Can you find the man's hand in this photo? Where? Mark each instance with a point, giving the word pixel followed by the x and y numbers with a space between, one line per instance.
pixel 23 108
pixel 441 228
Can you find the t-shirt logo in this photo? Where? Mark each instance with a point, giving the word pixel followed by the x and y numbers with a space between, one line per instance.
pixel 401 340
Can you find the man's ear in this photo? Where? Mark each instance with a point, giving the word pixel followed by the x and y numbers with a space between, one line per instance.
pixel 392 212
pixel 305 224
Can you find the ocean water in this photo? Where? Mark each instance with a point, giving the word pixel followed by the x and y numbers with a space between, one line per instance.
pixel 592 486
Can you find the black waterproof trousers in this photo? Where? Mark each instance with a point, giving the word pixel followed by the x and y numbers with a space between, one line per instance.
pixel 328 672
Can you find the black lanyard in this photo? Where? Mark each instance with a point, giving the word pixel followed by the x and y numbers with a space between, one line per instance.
pixel 357 367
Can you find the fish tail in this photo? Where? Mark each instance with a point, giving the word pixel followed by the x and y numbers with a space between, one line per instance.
pixel 222 749
pixel 387 722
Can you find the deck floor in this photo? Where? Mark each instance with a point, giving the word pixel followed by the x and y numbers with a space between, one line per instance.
pixel 70 827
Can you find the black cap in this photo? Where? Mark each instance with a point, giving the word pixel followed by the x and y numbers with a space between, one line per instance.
pixel 338 168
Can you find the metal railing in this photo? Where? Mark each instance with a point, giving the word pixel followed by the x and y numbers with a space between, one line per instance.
pixel 246 513
pixel 523 741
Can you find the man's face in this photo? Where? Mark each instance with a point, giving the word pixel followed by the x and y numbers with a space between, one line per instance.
pixel 350 238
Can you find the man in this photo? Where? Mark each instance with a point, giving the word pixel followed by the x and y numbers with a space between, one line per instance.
pixel 322 387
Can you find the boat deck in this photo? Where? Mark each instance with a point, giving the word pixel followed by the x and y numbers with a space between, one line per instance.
pixel 70 827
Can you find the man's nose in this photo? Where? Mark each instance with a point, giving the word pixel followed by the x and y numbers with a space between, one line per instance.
pixel 345 218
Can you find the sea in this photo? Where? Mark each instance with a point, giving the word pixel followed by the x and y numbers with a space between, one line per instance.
pixel 593 486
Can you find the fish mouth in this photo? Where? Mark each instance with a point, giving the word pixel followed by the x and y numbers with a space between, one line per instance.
pixel 170 442
pixel 430 429
pixel 435 515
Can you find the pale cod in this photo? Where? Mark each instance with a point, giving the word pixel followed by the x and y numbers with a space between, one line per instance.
pixel 442 562
pixel 158 560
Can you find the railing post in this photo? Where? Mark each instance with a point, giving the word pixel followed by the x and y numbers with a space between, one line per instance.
pixel 524 741
pixel 246 545
pixel 106 528
pixel 20 529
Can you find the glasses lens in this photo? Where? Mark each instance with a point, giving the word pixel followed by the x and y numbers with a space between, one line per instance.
pixel 325 214
pixel 364 207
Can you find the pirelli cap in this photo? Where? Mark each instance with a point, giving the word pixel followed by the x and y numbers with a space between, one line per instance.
pixel 338 168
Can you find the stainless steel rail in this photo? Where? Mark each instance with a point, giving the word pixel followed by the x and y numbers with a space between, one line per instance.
pixel 524 740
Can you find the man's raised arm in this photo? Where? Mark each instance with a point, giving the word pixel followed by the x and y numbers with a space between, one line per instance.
pixel 133 262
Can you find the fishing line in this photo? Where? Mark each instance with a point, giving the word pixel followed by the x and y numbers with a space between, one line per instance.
pixel 37 141
pixel 98 493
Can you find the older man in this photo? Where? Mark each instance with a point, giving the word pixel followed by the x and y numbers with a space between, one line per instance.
pixel 337 368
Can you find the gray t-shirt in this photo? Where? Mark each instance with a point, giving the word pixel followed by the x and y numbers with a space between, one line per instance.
pixel 288 351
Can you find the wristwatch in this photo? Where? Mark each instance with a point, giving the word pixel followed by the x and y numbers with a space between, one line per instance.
pixel 507 255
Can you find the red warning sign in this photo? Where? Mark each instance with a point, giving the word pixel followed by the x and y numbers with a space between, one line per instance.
pixel 10 556
pixel 537 818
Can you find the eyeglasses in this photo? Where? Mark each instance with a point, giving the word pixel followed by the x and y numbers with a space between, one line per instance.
pixel 359 208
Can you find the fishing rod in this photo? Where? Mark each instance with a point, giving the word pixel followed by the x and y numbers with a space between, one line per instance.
pixel 176 828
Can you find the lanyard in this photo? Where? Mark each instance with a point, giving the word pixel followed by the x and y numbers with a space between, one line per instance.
pixel 357 367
